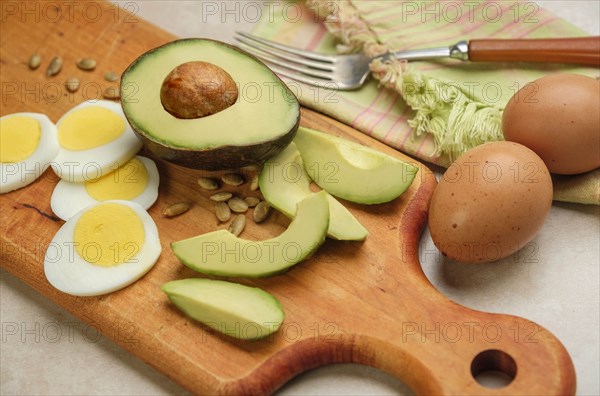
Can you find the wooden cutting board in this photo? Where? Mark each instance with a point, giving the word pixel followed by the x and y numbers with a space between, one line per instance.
pixel 366 303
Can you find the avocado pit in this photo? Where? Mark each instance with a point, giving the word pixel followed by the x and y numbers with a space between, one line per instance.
pixel 197 89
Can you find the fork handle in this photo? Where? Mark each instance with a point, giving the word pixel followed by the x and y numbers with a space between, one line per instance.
pixel 581 50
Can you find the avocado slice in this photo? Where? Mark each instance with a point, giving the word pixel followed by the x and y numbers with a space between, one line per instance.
pixel 284 182
pixel 240 311
pixel 243 128
pixel 352 171
pixel 222 253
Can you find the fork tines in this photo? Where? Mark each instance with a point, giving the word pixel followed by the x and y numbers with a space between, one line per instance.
pixel 304 66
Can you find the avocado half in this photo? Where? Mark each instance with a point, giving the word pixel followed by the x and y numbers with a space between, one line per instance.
pixel 262 121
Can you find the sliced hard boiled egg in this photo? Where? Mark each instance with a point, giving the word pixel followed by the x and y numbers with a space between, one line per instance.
pixel 27 146
pixel 94 139
pixel 101 249
pixel 136 180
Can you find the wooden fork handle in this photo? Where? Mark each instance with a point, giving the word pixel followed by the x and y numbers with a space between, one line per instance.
pixel 581 50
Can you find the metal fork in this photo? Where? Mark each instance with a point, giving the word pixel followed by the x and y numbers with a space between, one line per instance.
pixel 348 72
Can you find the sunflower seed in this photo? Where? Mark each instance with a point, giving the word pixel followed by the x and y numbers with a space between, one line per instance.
pixel 261 212
pixel 221 196
pixel 72 84
pixel 233 179
pixel 87 64
pixel 222 211
pixel 111 93
pixel 237 205
pixel 176 209
pixel 111 76
pixel 208 184
pixel 54 66
pixel 237 225
pixel 35 61
pixel 252 201
pixel 254 183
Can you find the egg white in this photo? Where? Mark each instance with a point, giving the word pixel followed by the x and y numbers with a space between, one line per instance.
pixel 69 198
pixel 71 274
pixel 85 165
pixel 20 174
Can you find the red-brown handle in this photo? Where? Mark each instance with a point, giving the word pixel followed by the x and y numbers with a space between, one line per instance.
pixel 581 50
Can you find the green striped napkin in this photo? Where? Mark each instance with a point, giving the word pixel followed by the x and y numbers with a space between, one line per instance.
pixel 431 110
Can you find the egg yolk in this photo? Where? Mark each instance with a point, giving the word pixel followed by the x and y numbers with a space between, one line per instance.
pixel 108 234
pixel 127 182
pixel 89 127
pixel 19 137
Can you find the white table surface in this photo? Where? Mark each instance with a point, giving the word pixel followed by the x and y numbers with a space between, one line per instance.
pixel 555 284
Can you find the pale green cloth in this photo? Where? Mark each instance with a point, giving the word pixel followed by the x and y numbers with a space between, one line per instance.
pixel 453 105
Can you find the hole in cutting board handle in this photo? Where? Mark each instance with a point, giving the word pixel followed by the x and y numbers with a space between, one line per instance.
pixel 493 368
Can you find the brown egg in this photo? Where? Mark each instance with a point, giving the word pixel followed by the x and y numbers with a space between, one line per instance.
pixel 558 117
pixel 490 203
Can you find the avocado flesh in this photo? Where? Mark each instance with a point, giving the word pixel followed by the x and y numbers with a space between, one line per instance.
pixel 351 171
pixel 259 124
pixel 239 311
pixel 222 253
pixel 284 182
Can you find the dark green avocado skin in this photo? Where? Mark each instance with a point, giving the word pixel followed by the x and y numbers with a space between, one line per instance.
pixel 221 158
pixel 218 158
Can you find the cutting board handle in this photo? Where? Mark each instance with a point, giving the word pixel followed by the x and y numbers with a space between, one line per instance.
pixel 445 358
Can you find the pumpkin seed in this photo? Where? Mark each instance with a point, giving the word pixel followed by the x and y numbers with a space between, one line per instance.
pixel 208 184
pixel 222 211
pixel 251 168
pixel 233 179
pixel 72 84
pixel 238 205
pixel 237 225
pixel 176 209
pixel 87 64
pixel 54 66
pixel 111 76
pixel 261 211
pixel 221 196
pixel 35 61
pixel 252 201
pixel 254 183
pixel 111 93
